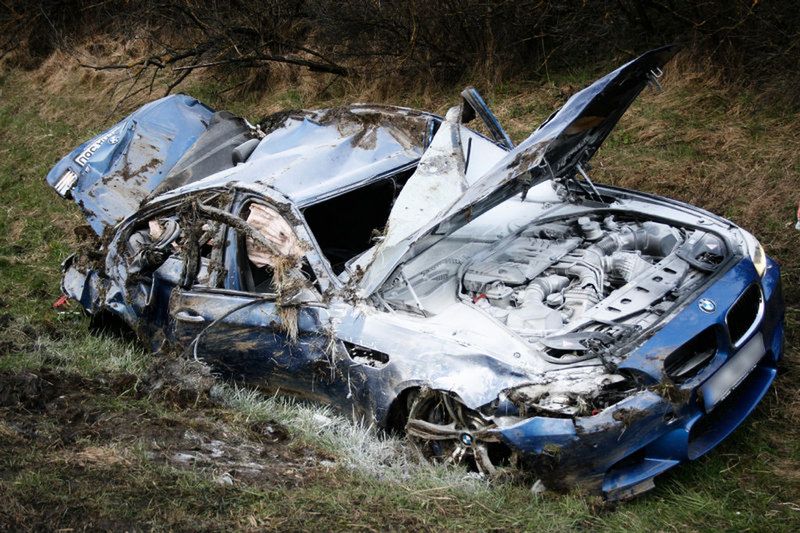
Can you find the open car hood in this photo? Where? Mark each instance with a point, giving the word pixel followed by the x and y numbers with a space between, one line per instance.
pixel 569 137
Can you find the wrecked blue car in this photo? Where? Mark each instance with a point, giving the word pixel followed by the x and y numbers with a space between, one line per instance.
pixel 488 300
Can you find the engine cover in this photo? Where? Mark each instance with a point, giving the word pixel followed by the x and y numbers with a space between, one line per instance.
pixel 521 261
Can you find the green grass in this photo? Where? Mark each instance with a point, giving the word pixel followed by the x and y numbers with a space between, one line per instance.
pixel 77 350
pixel 697 141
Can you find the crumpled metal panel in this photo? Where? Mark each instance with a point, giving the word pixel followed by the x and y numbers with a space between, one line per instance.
pixel 310 158
pixel 439 180
pixel 109 175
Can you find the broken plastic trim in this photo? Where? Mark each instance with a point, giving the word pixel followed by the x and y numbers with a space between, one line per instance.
pixel 366 356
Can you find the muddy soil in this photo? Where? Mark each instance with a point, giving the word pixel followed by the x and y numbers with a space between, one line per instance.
pixel 121 419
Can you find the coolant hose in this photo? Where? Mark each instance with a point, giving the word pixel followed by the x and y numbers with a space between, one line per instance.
pixel 541 288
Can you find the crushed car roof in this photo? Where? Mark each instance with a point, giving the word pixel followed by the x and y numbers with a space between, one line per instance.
pixel 308 156
pixel 177 144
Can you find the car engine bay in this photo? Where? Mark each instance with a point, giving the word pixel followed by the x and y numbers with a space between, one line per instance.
pixel 572 288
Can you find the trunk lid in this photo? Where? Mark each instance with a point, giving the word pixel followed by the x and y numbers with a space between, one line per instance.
pixel 110 175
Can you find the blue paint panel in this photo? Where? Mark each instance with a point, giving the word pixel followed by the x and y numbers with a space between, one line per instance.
pixel 633 475
pixel 624 447
pixel 712 429
pixel 109 175
pixel 534 434
pixel 649 357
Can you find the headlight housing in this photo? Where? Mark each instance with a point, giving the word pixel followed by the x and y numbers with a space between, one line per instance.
pixel 756 252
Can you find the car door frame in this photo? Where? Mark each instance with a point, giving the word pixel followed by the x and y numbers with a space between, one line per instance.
pixel 242 333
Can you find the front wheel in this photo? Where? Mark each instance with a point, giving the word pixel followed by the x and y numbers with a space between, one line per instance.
pixel 445 431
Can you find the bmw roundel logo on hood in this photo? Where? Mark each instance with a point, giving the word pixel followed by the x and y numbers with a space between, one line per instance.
pixel 706 305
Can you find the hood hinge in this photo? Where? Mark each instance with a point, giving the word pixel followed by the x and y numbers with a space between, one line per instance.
pixel 589 181
pixel 571 187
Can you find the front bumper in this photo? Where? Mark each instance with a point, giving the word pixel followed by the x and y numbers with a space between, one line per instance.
pixel 623 448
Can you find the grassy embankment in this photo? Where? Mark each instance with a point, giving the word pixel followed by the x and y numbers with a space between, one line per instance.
pixel 93 433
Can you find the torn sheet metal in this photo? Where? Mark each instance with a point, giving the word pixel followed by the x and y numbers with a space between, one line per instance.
pixel 312 156
pixel 438 181
pixel 109 176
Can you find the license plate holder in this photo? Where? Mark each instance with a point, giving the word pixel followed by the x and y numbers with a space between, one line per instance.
pixel 733 372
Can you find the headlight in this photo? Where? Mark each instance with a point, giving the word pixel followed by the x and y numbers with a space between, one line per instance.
pixel 756 252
